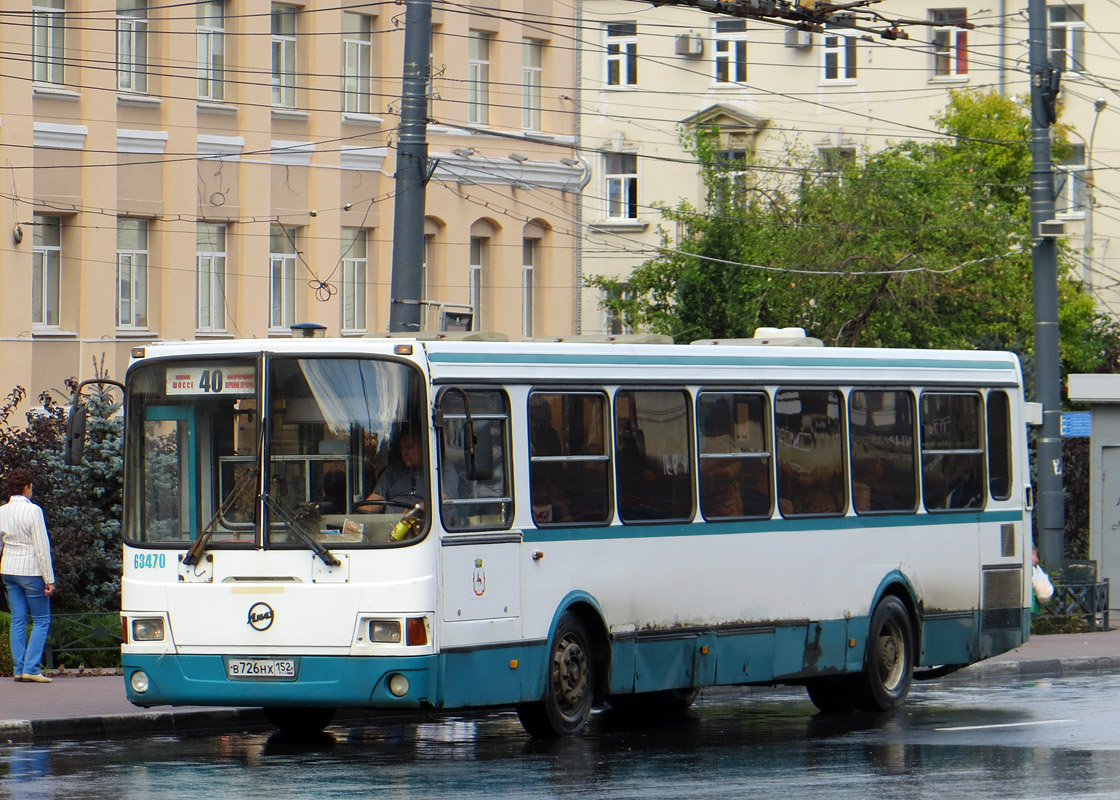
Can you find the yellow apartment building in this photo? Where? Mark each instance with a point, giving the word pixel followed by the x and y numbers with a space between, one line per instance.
pixel 226 169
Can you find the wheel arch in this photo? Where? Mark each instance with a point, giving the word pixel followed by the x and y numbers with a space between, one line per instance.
pixel 590 613
pixel 898 585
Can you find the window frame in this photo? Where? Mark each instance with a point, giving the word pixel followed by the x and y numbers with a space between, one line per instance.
pixel 213 265
pixel 620 188
pixel 841 459
pixel 839 54
pixel 357 56
pixel 948 45
pixel 210 49
pixel 566 461
pixel 532 79
pixel 620 50
pixel 354 282
pixel 132 61
pixel 530 249
pixel 929 453
pixel 765 454
pixel 1071 197
pixel 282 279
pixel 283 54
pixel 478 77
pixel 48 42
pixel 730 52
pixel 137 281
pixel 46 273
pixel 504 418
pixel 662 492
pixel 1072 37
pixel 476 267
pixel 854 454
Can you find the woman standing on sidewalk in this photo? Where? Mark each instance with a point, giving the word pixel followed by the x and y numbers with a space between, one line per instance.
pixel 28 575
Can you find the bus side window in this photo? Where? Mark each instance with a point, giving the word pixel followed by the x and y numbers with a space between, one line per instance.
pixel 653 455
pixel 568 460
pixel 478 497
pixel 952 453
pixel 809 445
pixel 734 455
pixel 884 462
pixel 999 445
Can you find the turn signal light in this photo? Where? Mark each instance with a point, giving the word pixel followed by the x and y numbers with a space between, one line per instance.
pixel 416 631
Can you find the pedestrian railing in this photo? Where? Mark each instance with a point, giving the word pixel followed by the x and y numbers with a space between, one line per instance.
pixel 1088 600
pixel 91 639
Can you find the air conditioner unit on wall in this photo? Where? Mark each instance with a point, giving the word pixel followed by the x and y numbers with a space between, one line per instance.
pixel 800 39
pixel 690 44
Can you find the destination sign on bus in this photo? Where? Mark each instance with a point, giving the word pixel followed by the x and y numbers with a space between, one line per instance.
pixel 227 380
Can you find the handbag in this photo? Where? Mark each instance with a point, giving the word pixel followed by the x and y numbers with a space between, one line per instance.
pixel 1043 588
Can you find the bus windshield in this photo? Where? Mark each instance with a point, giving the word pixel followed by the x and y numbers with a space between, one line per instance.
pixel 340 454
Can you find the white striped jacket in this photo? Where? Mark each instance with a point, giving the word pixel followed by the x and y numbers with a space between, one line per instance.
pixel 27 550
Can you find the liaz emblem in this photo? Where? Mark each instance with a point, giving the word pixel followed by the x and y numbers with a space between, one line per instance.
pixel 479 578
pixel 261 616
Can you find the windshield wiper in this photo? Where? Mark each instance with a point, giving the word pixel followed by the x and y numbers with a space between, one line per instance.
pixel 297 528
pixel 243 482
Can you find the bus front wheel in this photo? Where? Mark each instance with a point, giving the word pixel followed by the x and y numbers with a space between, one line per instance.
pixel 569 684
pixel 889 662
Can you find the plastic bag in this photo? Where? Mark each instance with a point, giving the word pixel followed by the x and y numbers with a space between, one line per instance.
pixel 1043 588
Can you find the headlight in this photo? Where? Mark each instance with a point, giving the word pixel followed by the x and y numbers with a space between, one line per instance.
pixel 139 682
pixel 385 630
pixel 398 685
pixel 147 630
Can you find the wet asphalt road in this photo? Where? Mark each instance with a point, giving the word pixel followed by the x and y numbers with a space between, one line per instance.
pixel 1041 739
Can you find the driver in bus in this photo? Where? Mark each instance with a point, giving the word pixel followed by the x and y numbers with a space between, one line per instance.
pixel 404 482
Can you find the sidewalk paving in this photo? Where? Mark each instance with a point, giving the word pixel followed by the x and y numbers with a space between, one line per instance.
pixel 89 706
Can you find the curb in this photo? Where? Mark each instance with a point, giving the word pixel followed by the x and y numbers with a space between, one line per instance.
pixel 1001 671
pixel 19 730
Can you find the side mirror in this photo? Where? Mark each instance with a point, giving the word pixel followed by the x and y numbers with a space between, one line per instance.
pixel 75 444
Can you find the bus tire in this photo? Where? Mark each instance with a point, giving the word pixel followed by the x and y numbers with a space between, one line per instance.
pixel 834 694
pixel 298 721
pixel 889 660
pixel 569 690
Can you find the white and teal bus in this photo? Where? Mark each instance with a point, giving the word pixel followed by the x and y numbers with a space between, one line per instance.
pixel 398 523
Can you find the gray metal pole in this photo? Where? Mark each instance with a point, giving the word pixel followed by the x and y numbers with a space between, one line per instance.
pixel 412 168
pixel 1051 496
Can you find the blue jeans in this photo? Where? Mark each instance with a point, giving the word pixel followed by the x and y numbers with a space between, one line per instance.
pixel 26 599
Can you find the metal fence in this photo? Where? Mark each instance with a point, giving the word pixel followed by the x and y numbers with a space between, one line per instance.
pixel 1088 599
pixel 92 639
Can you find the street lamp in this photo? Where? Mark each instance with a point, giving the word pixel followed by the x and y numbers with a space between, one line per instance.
pixel 1099 105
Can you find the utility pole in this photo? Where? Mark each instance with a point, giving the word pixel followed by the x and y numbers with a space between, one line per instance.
pixel 412 169
pixel 1044 260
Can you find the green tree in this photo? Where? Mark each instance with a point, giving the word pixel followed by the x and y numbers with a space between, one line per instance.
pixel 82 503
pixel 920 244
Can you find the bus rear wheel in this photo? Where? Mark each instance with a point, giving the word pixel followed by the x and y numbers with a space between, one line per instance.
pixel 297 721
pixel 889 661
pixel 569 684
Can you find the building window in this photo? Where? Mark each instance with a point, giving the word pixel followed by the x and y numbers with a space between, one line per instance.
pixel 474 279
pixel 281 278
pixel 132 45
pixel 46 270
pixel 478 78
pixel 355 267
pixel 1071 199
pixel 426 265
pixel 835 159
pixel 950 43
pixel 730 173
pixel 210 49
pixel 132 273
pixel 616 319
pixel 1067 37
pixel 839 56
pixel 210 265
pixel 622 54
pixel 731 50
pixel 357 62
pixel 529 250
pixel 621 173
pixel 531 75
pixel 283 55
pixel 48 40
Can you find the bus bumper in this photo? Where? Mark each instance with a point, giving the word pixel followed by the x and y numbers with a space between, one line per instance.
pixel 325 681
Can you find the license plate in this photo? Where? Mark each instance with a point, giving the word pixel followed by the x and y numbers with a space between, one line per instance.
pixel 261 668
